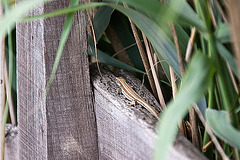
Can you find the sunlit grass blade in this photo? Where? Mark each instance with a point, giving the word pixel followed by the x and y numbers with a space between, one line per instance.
pixel 219 121
pixel 197 79
pixel 13 15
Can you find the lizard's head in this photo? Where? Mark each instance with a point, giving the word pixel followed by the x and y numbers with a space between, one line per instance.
pixel 120 81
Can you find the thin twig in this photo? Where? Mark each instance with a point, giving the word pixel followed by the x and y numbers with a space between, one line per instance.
pixel 157 84
pixel 210 132
pixel 204 148
pixel 124 49
pixel 94 38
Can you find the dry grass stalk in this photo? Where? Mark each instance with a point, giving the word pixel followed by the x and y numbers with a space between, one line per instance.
pixel 190 44
pixel 210 132
pixel 143 56
pixel 214 22
pixel 175 38
pixel 9 97
pixel 192 117
pixel 174 91
pixel 155 77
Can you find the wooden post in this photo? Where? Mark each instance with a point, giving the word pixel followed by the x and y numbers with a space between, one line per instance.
pixel 2 88
pixel 62 124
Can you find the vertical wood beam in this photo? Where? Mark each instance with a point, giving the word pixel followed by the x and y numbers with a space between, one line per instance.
pixel 2 87
pixel 62 124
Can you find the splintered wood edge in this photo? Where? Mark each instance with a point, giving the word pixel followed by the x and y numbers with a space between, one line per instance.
pixel 107 88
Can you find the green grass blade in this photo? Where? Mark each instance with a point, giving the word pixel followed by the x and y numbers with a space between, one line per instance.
pixel 111 61
pixel 101 20
pixel 68 10
pixel 197 79
pixel 175 11
pixel 219 121
pixel 121 26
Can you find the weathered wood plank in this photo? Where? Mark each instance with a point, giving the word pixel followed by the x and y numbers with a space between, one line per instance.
pixel 2 86
pixel 129 132
pixel 11 142
pixel 62 124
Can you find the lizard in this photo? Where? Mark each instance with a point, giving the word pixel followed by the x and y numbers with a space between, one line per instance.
pixel 131 95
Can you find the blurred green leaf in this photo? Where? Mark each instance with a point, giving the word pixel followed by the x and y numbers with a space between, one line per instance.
pixel 228 57
pixel 197 79
pixel 183 38
pixel 175 11
pixel 223 33
pixel 202 105
pixel 185 14
pixel 216 12
pixel 203 12
pixel 219 121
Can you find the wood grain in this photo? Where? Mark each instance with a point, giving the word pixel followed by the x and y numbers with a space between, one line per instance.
pixel 62 124
pixel 126 132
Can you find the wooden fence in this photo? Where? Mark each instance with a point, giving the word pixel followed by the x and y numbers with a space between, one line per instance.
pixel 76 120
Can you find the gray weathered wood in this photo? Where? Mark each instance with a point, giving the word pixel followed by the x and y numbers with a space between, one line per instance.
pixel 129 132
pixel 11 142
pixel 62 124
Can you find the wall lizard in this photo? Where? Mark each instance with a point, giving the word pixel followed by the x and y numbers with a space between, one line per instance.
pixel 131 95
